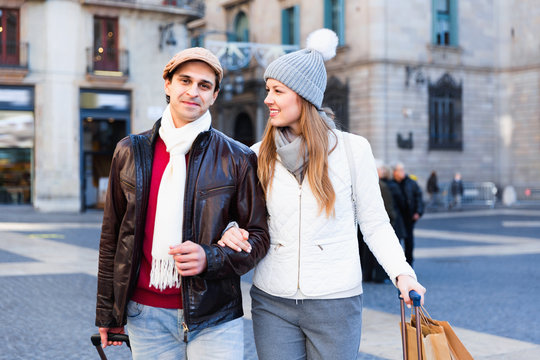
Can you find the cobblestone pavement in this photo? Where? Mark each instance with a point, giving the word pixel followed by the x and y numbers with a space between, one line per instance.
pixel 480 268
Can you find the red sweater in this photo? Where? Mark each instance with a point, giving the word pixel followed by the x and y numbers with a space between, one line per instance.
pixel 170 298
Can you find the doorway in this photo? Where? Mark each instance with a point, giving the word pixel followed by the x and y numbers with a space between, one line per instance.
pixel 105 120
pixel 100 137
pixel 243 129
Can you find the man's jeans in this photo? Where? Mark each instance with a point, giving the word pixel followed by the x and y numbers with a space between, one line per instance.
pixel 156 333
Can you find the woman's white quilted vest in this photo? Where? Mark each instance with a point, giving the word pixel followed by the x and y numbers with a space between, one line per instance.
pixel 309 251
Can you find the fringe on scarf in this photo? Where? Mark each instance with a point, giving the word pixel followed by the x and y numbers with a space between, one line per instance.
pixel 164 274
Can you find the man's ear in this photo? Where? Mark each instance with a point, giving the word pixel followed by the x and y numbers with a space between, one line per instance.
pixel 214 97
pixel 166 86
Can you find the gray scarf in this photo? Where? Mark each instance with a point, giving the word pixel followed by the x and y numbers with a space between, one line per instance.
pixel 289 148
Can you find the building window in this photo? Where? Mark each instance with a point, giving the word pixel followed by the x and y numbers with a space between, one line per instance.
pixel 105 55
pixel 16 144
pixel 241 27
pixel 9 36
pixel 197 41
pixel 290 25
pixel 445 27
pixel 334 18
pixel 445 115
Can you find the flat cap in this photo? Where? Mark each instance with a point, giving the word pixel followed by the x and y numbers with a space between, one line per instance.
pixel 194 54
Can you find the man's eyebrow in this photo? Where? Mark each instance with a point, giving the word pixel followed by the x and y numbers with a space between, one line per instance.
pixel 202 80
pixel 207 82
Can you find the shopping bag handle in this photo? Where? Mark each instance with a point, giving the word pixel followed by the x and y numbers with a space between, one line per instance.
pixel 415 297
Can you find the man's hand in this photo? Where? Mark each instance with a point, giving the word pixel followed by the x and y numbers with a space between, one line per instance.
pixel 104 338
pixel 406 283
pixel 236 238
pixel 416 216
pixel 189 258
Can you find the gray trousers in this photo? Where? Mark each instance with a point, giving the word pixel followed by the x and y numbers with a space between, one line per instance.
pixel 306 329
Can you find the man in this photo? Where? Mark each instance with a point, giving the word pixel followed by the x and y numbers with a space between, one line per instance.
pixel 432 187
pixel 172 191
pixel 412 206
pixel 371 269
pixel 456 188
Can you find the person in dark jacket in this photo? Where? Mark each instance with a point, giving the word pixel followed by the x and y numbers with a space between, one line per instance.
pixel 399 207
pixel 456 188
pixel 432 188
pixel 371 269
pixel 172 191
pixel 410 198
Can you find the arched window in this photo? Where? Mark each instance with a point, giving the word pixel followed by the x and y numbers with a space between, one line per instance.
pixel 241 27
pixel 445 115
pixel 336 97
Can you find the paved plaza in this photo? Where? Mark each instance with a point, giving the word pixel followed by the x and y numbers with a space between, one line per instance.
pixel 480 268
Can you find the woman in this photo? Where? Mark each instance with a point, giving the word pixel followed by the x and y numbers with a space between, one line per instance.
pixel 306 294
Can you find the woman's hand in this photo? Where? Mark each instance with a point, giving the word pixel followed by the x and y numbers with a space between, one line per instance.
pixel 406 283
pixel 237 239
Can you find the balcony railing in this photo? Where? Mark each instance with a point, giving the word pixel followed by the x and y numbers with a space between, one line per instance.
pixel 195 5
pixel 194 8
pixel 107 62
pixel 14 55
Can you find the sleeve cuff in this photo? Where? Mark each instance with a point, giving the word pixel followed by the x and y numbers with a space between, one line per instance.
pixel 230 225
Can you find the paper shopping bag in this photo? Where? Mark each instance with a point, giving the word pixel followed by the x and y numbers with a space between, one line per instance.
pixel 457 349
pixel 434 343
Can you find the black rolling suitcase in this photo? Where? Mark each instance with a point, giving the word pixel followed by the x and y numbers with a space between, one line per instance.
pixel 96 341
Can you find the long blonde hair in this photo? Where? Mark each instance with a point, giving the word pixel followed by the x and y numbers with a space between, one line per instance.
pixel 314 131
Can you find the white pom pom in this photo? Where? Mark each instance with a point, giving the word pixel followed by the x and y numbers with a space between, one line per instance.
pixel 324 41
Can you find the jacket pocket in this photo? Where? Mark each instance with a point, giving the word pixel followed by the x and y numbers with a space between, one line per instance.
pixel 127 184
pixel 330 241
pixel 204 194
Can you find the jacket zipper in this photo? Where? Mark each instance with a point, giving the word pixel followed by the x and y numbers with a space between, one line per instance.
pixel 186 329
pixel 125 182
pixel 183 287
pixel 184 322
pixel 299 230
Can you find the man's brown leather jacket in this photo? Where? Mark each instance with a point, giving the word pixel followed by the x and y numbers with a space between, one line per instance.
pixel 221 186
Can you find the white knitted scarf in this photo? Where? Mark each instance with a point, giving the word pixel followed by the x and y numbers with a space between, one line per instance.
pixel 170 200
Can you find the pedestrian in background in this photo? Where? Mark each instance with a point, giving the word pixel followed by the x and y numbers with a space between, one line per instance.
pixel 306 294
pixel 413 206
pixel 432 188
pixel 172 191
pixel 371 269
pixel 456 188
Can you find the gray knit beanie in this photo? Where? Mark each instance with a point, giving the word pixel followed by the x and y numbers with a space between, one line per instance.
pixel 303 71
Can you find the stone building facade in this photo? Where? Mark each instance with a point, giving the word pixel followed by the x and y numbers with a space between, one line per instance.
pixel 75 77
pixel 444 85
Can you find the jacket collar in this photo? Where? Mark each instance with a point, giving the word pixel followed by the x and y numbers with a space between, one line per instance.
pixel 154 134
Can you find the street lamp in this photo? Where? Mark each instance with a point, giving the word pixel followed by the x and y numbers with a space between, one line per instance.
pixel 414 72
pixel 166 35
